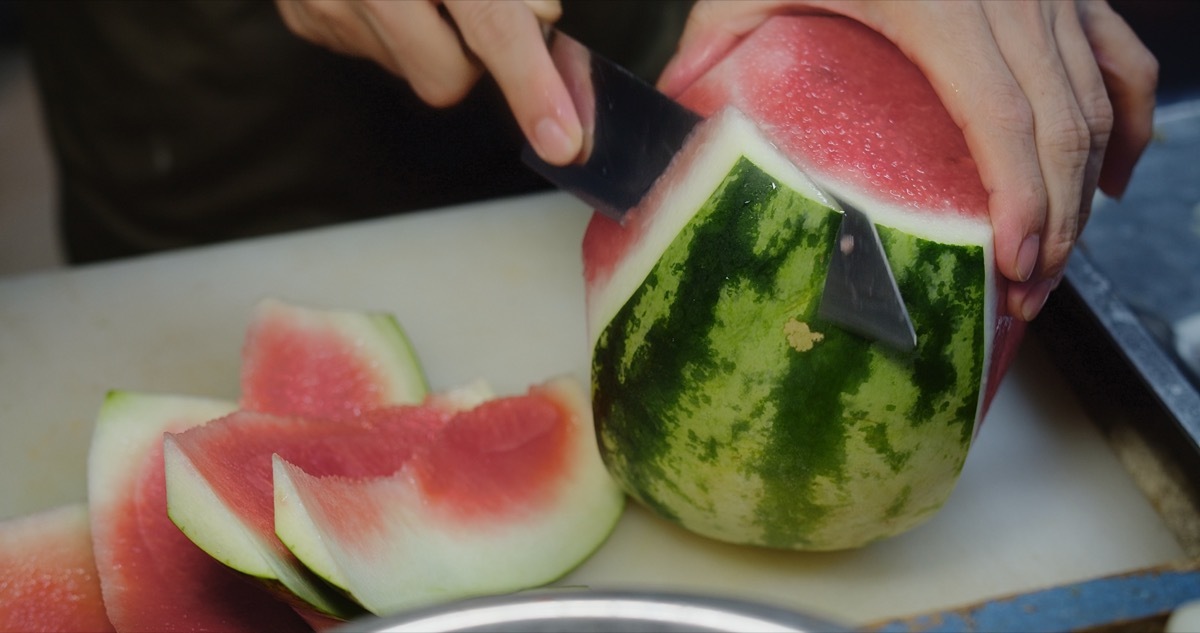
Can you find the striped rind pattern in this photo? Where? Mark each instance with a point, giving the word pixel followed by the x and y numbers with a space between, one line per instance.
pixel 725 404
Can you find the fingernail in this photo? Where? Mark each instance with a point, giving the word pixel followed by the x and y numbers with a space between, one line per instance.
pixel 553 143
pixel 1027 256
pixel 1036 299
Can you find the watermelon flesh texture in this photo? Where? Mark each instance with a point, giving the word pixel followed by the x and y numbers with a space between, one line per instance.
pixel 509 494
pixel 330 364
pixel 220 487
pixel 48 577
pixel 152 577
pixel 337 367
pixel 722 401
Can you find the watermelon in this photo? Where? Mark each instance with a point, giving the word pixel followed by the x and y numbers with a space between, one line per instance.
pixel 507 494
pixel 152 577
pixel 48 578
pixel 325 363
pixel 309 378
pixel 220 494
pixel 723 402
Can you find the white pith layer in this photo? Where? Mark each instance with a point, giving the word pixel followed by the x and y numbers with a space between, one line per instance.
pixel 712 151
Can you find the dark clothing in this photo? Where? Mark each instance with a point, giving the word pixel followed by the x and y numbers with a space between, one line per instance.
pixel 196 121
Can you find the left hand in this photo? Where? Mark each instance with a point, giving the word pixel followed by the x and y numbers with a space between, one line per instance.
pixel 1055 99
pixel 442 47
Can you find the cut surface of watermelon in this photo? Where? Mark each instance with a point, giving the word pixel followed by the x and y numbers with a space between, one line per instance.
pixel 331 364
pixel 722 401
pixel 48 578
pixel 508 494
pixel 313 380
pixel 220 489
pixel 152 577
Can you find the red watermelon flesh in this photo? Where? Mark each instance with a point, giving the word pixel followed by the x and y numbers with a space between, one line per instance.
pixel 152 577
pixel 509 494
pixel 48 578
pixel 220 490
pixel 318 378
pixel 859 119
pixel 328 364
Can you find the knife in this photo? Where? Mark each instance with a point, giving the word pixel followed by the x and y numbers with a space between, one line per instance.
pixel 631 133
pixel 861 294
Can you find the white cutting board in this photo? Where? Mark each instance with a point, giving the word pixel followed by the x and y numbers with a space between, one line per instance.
pixel 494 291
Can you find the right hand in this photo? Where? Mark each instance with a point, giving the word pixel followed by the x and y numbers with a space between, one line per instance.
pixel 1053 98
pixel 443 54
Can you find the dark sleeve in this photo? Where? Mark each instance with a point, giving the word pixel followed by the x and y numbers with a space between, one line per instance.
pixel 197 121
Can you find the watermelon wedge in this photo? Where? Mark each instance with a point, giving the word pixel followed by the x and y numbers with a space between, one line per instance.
pixel 722 401
pixel 48 578
pixel 311 378
pixel 321 363
pixel 152 577
pixel 220 494
pixel 508 494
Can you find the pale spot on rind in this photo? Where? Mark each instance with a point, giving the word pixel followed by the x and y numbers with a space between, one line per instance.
pixel 800 336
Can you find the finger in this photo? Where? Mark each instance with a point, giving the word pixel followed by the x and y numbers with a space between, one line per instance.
pixel 1130 74
pixel 547 11
pixel 424 48
pixel 507 38
pixel 1025 35
pixel 314 21
pixel 986 102
pixel 713 28
pixel 1090 93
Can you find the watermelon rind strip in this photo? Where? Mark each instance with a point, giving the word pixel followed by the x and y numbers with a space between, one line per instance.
pixel 408 373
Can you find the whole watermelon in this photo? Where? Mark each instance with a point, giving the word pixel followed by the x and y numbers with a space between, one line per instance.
pixel 722 401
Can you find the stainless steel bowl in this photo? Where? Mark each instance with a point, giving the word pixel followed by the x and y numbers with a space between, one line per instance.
pixel 578 611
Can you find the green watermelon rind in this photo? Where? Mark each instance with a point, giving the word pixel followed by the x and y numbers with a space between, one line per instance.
pixel 296 530
pixel 128 425
pixel 209 523
pixel 407 371
pixel 708 416
pixel 132 418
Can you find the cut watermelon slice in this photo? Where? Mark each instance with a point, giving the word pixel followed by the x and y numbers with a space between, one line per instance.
pixel 48 578
pixel 723 401
pixel 336 367
pixel 219 493
pixel 510 494
pixel 152 577
pixel 329 364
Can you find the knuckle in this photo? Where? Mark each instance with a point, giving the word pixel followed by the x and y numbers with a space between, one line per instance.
pixel 1006 107
pixel 441 91
pixel 1098 114
pixel 1033 198
pixel 1057 249
pixel 1067 137
pixel 486 26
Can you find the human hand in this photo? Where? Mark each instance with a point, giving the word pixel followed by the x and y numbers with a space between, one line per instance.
pixel 1054 98
pixel 443 53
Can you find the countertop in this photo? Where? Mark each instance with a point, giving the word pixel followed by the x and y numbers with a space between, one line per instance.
pixel 494 291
